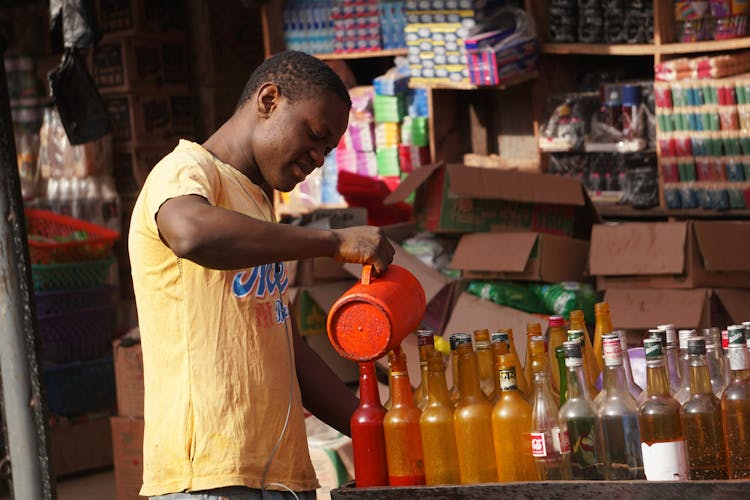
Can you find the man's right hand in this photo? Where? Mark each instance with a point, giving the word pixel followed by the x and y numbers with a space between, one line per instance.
pixel 364 245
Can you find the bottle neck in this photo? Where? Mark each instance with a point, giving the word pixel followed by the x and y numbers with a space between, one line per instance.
pixel 468 374
pixel 626 367
pixel 437 391
pixel 454 368
pixel 603 322
pixel 542 387
pixel 368 385
pixel 685 369
pixel 577 386
pixel 614 379
pixel 656 378
pixel 401 393
pixel 672 361
pixel 700 380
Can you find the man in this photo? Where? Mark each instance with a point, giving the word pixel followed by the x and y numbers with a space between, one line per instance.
pixel 223 406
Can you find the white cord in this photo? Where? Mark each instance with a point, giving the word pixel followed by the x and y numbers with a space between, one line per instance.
pixel 288 412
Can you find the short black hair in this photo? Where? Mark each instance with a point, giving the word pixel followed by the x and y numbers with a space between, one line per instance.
pixel 297 75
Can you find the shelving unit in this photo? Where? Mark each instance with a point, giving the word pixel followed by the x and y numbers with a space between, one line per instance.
pixel 371 54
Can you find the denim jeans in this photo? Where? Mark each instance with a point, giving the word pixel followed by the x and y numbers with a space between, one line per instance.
pixel 237 493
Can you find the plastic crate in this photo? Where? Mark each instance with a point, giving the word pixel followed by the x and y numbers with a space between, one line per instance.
pixel 79 335
pixel 71 275
pixel 78 388
pixel 55 238
pixel 63 301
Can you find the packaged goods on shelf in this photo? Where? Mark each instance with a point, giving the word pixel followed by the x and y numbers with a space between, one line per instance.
pixel 392 23
pixel 412 157
pixel 388 162
pixel 389 109
pixel 141 16
pixel 498 63
pixel 309 26
pixel 416 103
pixel 703 67
pixel 434 51
pixel 356 26
pixel 387 135
pixel 715 20
pixel 415 131
pixel 600 22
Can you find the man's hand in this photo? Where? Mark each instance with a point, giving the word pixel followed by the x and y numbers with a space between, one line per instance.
pixel 364 245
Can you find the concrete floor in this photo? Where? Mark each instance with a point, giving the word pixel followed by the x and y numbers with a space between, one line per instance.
pixel 93 486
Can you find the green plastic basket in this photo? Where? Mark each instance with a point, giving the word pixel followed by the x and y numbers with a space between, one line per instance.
pixel 71 275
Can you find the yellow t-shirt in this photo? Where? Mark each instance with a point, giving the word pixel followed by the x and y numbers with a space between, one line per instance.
pixel 215 354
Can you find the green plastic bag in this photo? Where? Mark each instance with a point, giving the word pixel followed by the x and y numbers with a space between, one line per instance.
pixel 561 298
pixel 508 293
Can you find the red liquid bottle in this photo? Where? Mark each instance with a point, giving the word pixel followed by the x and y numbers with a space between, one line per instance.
pixel 368 440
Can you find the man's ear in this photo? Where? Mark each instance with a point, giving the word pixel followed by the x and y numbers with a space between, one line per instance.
pixel 268 99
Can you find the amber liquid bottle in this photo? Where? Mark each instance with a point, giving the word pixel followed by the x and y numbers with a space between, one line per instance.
pixel 436 425
pixel 511 427
pixel 662 440
pixel 701 418
pixel 500 344
pixel 532 330
pixel 472 421
pixel 454 391
pixel 557 336
pixel 403 441
pixel 368 440
pixel 578 322
pixel 521 380
pixel 485 363
pixel 602 326
pixel 426 344
pixel 735 405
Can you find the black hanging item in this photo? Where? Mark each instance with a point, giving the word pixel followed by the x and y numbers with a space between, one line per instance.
pixel 78 101
pixel 72 24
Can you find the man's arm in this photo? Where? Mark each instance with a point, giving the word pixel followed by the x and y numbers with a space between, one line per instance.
pixel 217 238
pixel 323 393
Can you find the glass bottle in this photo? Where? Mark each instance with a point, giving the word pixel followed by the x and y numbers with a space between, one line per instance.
pixel 578 322
pixel 735 406
pixel 715 360
pixel 725 348
pixel 701 419
pixel 521 379
pixel 671 357
pixel 556 337
pixel 532 330
pixel 549 444
pixel 578 336
pixel 436 426
pixel 511 427
pixel 563 374
pixel 634 389
pixel 683 393
pixel 578 417
pixel 485 363
pixel 403 441
pixel 660 335
pixel 662 440
pixel 500 344
pixel 368 440
pixel 426 344
pixel 454 391
pixel 602 326
pixel 472 421
pixel 618 416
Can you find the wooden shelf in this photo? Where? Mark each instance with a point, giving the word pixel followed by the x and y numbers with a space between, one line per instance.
pixel 370 54
pixel 613 211
pixel 419 83
pixel 708 46
pixel 599 49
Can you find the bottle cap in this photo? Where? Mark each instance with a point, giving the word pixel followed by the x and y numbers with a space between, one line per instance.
pixel 573 356
pixel 631 95
pixel 671 335
pixel 453 340
pixel 481 338
pixel 462 338
pixel 736 335
pixel 684 336
pixel 575 335
pixel 661 335
pixel 556 321
pixel 653 348
pixel 425 337
pixel 612 349
pixel 499 337
pixel 696 345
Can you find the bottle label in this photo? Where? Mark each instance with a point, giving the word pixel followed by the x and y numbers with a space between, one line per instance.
pixel 560 440
pixel 665 461
pixel 538 445
pixel 507 379
pixel 738 358
pixel 612 350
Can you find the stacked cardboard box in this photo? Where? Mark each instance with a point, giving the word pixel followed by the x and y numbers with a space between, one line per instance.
pixel 694 274
pixel 127 426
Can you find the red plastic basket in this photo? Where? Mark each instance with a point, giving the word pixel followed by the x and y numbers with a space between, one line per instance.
pixel 55 238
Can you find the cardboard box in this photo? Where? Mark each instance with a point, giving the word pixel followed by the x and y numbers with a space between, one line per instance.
pixel 127 447
pixel 150 116
pixel 132 162
pixel 521 256
pixel 690 254
pixel 644 308
pixel 126 63
pixel 129 377
pixel 455 198
pixel 80 444
pixel 141 16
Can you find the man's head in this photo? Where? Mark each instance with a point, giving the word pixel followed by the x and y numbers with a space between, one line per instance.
pixel 297 109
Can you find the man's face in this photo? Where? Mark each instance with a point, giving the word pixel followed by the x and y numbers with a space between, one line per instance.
pixel 296 137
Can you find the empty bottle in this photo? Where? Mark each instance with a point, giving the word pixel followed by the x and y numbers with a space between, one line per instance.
pixel 683 393
pixel 715 360
pixel 532 330
pixel 426 344
pixel 735 406
pixel 671 356
pixel 368 440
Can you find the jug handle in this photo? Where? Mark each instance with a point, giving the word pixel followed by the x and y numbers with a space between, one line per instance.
pixel 366 274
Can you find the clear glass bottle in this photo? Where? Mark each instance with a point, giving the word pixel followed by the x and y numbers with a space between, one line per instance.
pixel 485 362
pixel 683 393
pixel 549 445
pixel 532 330
pixel 454 391
pixel 436 426
pixel 403 441
pixel 725 349
pixel 521 379
pixel 671 357
pixel 618 416
pixel 735 406
pixel 426 344
pixel 556 337
pixel 594 367
pixel 715 360
pixel 368 440
pixel 578 417
pixel 580 335
pixel 602 326
pixel 511 427
pixel 701 419
pixel 472 421
pixel 634 389
pixel 662 440
pixel 563 374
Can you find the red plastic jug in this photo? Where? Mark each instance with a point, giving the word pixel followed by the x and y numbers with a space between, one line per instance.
pixel 375 315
